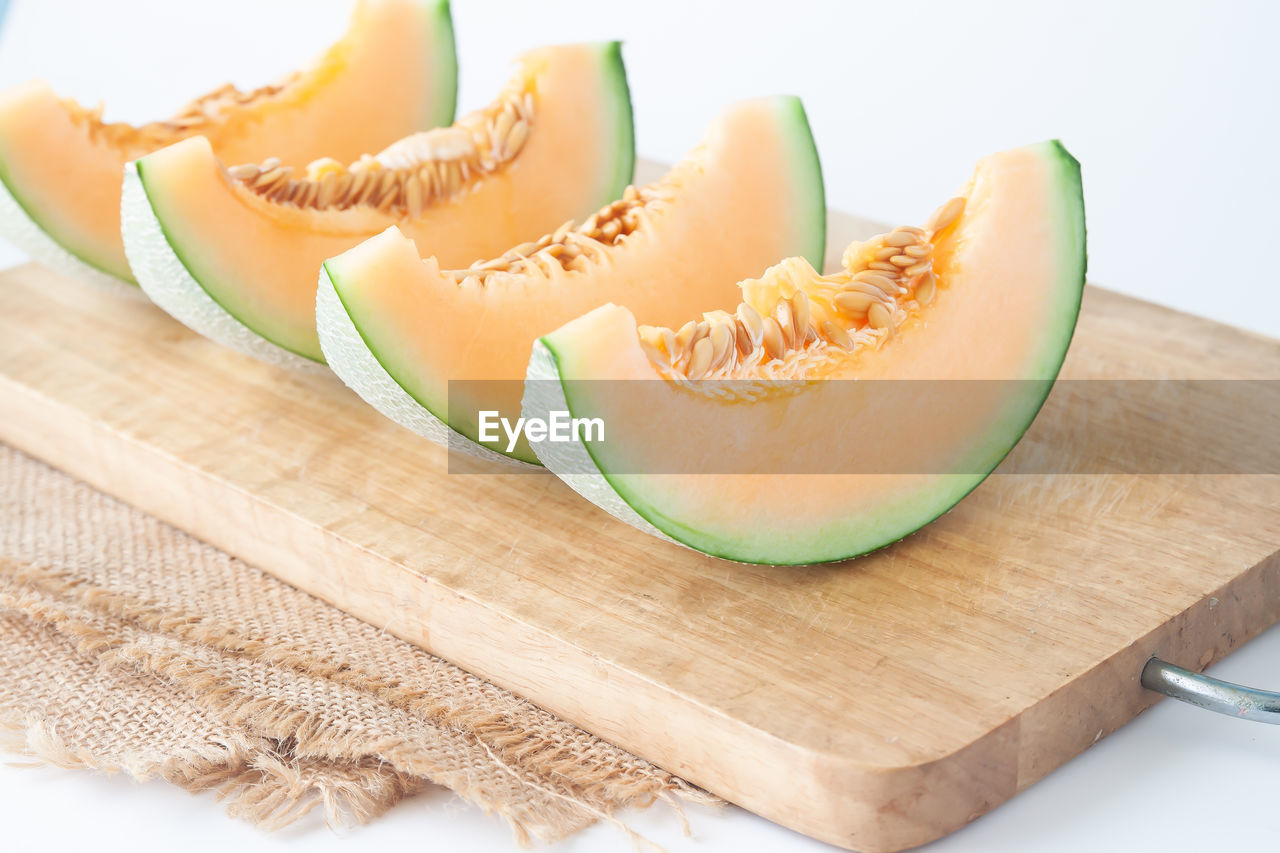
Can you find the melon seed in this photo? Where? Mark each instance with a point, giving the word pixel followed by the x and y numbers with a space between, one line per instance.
pixel 669 342
pixel 750 321
pixel 700 360
pixel 502 128
pixel 722 341
pixel 772 338
pixel 854 303
pixel 881 282
pixel 786 322
pixel 925 288
pixel 800 315
pixel 700 331
pixel 945 215
pixel 655 356
pixel 684 341
pixel 836 335
pixel 876 292
pixel 327 191
pixel 516 140
pixel 742 338
pixel 414 195
pixel 270 178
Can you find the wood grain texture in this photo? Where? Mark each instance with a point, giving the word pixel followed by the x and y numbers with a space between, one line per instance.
pixel 876 704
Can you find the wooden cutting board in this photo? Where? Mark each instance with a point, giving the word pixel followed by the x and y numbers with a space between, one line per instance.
pixel 876 704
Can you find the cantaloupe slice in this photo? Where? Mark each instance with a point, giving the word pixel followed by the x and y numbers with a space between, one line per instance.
pixel 767 435
pixel 60 164
pixel 235 253
pixel 399 329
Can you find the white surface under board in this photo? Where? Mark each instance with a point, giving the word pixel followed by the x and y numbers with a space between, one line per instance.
pixel 1172 107
pixel 1175 779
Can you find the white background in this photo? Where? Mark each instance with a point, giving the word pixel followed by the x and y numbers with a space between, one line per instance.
pixel 1174 110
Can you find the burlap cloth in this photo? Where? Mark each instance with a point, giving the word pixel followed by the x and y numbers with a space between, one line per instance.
pixel 126 645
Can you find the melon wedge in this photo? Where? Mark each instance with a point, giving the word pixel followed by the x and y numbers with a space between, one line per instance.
pixel 234 254
pixel 398 328
pixel 60 164
pixel 736 438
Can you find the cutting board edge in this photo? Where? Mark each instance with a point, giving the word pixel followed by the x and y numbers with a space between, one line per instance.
pixel 826 795
pixel 830 797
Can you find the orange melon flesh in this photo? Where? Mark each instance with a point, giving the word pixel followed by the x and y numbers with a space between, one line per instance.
pixel 1010 275
pixel 259 259
pixel 751 191
pixel 63 167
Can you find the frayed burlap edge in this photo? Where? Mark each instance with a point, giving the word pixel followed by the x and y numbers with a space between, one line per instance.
pixel 256 786
pixel 271 791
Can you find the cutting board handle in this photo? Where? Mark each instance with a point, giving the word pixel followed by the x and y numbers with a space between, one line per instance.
pixel 1234 700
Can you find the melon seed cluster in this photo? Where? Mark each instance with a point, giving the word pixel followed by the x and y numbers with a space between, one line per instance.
pixel 190 120
pixel 882 279
pixel 568 247
pixel 411 175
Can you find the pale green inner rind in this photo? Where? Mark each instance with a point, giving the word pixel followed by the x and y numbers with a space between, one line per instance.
pixel 348 292
pixel 864 533
pixel 809 195
pixel 356 365
pixel 571 461
pixel 618 140
pixel 156 198
pixel 167 282
pixel 438 22
pixel 401 369
pixel 617 111
pixel 300 342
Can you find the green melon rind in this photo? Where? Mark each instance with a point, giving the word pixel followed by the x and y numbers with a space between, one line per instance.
pixel 187 299
pixel 1074 252
pixel 354 358
pixel 22 230
pixel 167 282
pixel 546 391
pixel 810 192
pixel 25 232
pixel 807 180
pixel 444 57
pixel 615 79
pixel 350 357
